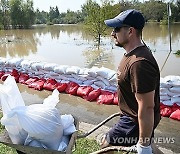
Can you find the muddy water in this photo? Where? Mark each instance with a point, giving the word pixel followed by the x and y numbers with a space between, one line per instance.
pixel 72 45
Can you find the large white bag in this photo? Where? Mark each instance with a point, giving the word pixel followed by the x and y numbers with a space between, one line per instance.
pixel 11 98
pixel 37 124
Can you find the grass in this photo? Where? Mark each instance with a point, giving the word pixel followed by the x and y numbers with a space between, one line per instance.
pixel 177 53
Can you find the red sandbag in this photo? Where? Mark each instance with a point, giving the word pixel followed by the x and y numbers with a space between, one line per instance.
pixel 162 106
pixel 1 74
pixel 72 88
pixel 15 74
pixel 4 77
pixel 23 78
pixel 93 95
pixel 84 90
pixel 61 86
pixel 37 85
pixel 105 97
pixel 175 107
pixel 166 112
pixel 31 80
pixel 175 115
pixel 115 100
pixel 50 84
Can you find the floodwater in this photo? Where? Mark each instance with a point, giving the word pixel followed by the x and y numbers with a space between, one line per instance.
pixel 71 45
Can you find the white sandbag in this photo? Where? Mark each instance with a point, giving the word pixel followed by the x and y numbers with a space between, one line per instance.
pixel 79 77
pixel 93 71
pixel 100 84
pixel 111 88
pixel 68 124
pixel 64 143
pixel 75 80
pixel 42 122
pixel 11 98
pixel 113 78
pixel 62 77
pixel 61 69
pixel 50 66
pixel 94 86
pixel 165 97
pixel 164 91
pixel 175 99
pixel 2 61
pixel 171 94
pixel 88 82
pixel 73 70
pixel 10 94
pixel 104 80
pixel 168 102
pixel 175 90
pixel 15 62
pixel 171 78
pixel 83 71
pixel 38 66
pixel 105 72
pixel 25 64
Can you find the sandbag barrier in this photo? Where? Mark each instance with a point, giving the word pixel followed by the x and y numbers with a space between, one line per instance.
pixel 94 84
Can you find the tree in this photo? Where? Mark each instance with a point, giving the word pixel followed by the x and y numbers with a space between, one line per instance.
pixel 28 14
pixel 16 13
pixel 5 18
pixel 96 15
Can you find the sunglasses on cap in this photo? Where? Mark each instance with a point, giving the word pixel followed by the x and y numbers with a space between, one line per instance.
pixel 117 29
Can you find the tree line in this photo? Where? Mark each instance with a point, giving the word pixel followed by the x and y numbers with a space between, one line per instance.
pixel 21 13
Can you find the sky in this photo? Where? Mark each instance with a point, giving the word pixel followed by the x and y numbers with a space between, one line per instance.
pixel 63 5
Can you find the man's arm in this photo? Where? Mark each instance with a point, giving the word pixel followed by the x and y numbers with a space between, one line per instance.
pixel 145 116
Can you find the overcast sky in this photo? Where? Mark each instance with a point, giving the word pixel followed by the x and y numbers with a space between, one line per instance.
pixel 63 5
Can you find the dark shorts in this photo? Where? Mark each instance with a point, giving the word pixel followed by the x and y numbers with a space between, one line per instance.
pixel 124 133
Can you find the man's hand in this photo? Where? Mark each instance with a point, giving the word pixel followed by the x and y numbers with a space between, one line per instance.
pixel 143 149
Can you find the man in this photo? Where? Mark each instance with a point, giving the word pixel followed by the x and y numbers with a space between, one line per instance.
pixel 138 85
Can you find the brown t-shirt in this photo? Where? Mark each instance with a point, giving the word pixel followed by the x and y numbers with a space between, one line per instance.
pixel 138 72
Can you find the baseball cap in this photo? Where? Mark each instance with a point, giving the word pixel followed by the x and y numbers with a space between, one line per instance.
pixel 130 17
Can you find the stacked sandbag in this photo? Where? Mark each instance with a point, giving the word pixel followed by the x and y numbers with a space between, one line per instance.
pixel 170 97
pixel 94 84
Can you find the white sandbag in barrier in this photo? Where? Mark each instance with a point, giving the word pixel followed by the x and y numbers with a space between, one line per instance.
pixel 105 73
pixel 49 66
pixel 61 69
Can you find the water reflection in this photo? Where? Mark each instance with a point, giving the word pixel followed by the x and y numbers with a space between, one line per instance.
pixel 17 43
pixel 72 45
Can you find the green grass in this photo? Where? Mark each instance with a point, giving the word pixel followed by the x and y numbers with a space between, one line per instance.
pixel 86 146
pixel 177 53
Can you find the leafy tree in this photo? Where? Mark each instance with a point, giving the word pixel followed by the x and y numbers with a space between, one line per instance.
pixel 4 12
pixel 41 17
pixel 16 13
pixel 96 15
pixel 28 14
